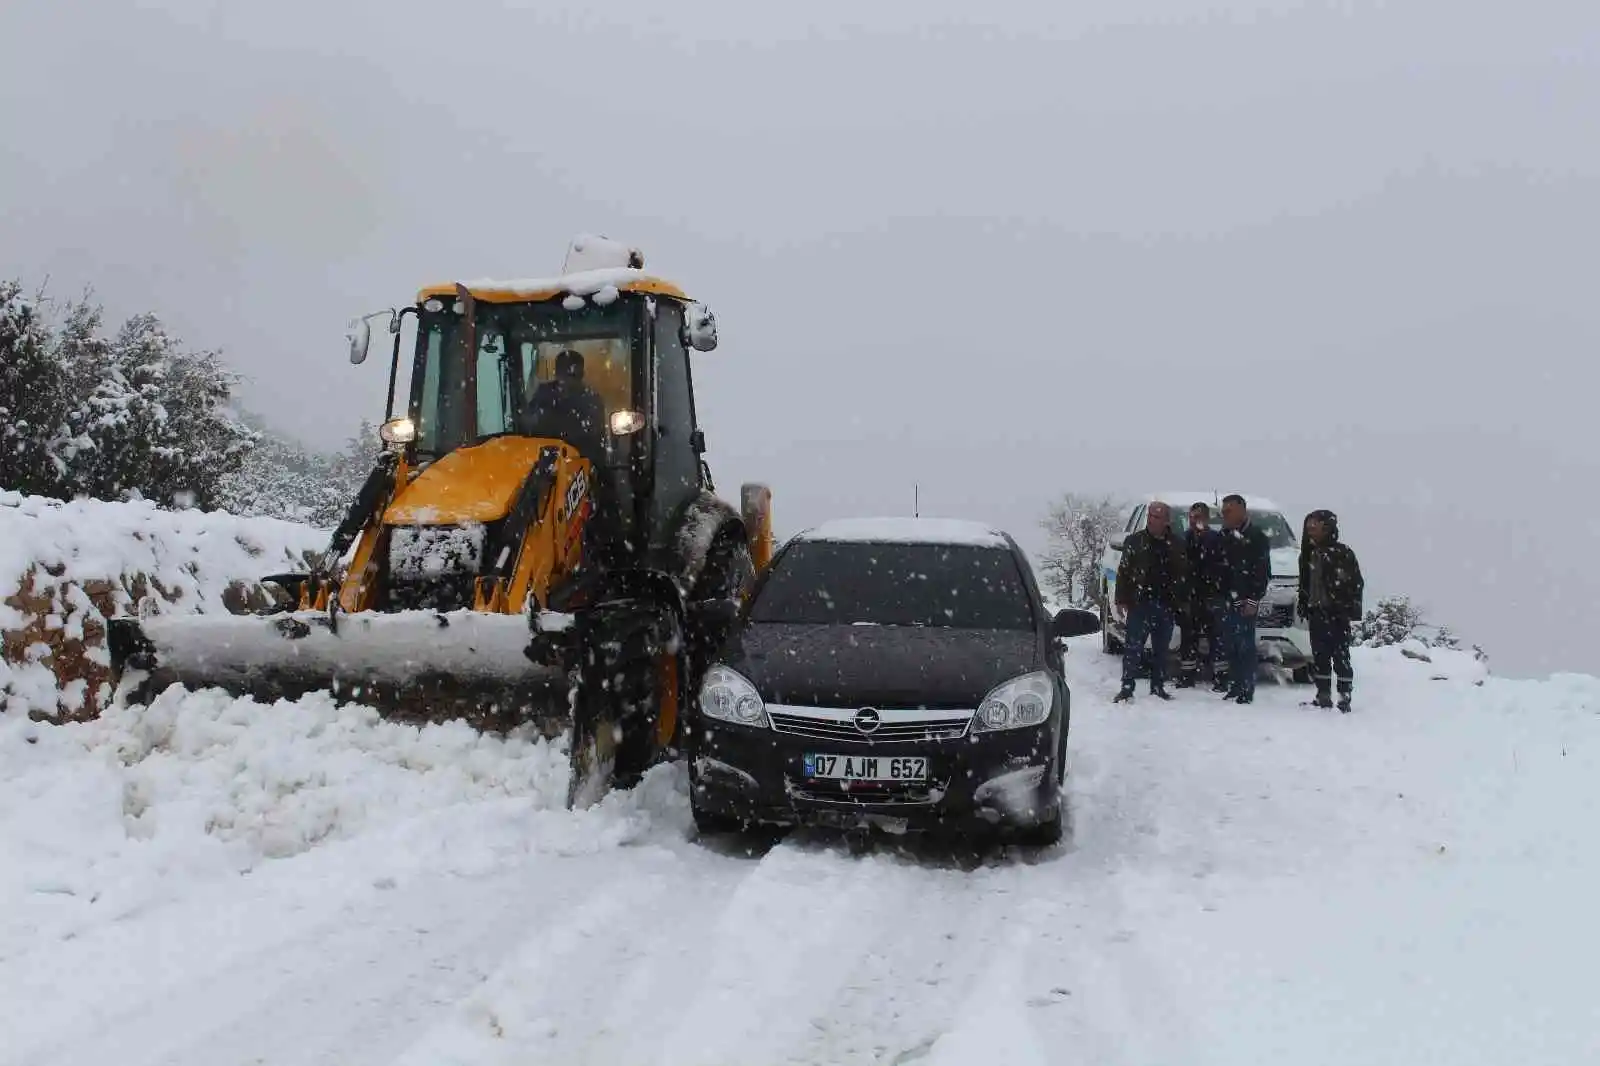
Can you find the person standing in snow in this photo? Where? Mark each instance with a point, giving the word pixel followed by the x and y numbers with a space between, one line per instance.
pixel 1208 572
pixel 1248 559
pixel 1331 588
pixel 1151 585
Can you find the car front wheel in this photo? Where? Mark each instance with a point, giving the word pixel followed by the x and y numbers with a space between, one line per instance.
pixel 1045 834
pixel 711 823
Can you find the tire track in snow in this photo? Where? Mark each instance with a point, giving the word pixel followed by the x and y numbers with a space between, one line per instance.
pixel 1147 816
pixel 346 989
pixel 525 1010
pixel 783 943
pixel 820 956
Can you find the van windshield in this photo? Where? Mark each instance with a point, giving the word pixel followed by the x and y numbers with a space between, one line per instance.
pixel 1274 525
pixel 893 584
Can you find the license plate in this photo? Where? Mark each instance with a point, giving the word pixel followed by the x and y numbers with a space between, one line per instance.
pixel 866 767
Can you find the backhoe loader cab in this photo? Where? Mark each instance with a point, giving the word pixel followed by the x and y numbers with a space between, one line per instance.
pixel 539 538
pixel 485 352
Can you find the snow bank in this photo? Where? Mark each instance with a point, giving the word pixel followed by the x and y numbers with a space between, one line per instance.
pixel 100 819
pixel 67 567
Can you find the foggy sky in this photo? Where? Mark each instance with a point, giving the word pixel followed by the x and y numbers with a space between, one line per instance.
pixel 1338 255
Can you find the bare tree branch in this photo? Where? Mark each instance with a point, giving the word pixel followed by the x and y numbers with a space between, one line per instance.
pixel 1079 527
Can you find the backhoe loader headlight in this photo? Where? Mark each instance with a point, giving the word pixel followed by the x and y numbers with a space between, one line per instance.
pixel 1021 702
pixel 398 431
pixel 625 422
pixel 728 696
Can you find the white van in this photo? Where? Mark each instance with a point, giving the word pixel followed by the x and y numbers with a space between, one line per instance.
pixel 1281 638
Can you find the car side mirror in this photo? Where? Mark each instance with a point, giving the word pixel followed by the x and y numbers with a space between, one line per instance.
pixel 1074 622
pixel 1116 542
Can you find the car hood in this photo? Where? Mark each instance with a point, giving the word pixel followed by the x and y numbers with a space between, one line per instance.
pixel 1286 562
pixel 879 666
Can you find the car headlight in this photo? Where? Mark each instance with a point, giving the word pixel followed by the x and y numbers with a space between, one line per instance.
pixel 728 696
pixel 1021 702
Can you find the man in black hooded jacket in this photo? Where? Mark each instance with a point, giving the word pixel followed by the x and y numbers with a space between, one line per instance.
pixel 1331 588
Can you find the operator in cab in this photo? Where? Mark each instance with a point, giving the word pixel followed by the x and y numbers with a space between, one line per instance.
pixel 565 408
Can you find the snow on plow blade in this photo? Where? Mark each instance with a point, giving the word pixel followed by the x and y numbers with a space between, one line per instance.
pixel 411 665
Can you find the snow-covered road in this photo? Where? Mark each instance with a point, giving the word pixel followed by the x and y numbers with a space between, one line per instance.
pixel 216 883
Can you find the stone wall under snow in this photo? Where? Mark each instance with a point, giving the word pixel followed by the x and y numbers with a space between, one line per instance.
pixel 66 567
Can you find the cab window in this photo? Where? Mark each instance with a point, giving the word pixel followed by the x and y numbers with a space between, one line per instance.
pixel 459 399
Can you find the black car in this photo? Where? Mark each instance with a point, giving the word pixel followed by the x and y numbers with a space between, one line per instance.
pixel 899 672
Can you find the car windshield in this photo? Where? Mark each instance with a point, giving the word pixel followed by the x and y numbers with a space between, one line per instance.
pixel 1273 524
pixel 951 586
pixel 458 402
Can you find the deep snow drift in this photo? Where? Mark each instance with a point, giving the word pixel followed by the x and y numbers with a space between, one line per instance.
pixel 217 882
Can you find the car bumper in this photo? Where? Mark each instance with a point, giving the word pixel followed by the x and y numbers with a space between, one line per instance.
pixel 1288 645
pixel 1005 779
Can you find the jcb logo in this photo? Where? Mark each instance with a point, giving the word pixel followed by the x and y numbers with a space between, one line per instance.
pixel 577 489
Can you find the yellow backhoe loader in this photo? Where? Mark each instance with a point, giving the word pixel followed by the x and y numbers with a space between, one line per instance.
pixel 539 540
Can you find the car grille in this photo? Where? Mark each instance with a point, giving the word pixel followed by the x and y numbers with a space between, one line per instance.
pixel 909 731
pixel 868 793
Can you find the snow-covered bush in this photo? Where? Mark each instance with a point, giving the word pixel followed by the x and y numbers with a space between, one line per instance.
pixel 1396 620
pixel 1391 622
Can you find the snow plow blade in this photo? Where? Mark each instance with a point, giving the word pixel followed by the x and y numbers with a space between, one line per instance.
pixel 413 666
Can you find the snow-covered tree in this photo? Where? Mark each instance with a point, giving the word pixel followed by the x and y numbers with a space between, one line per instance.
pixel 284 479
pixel 208 442
pixel 1079 528
pixel 133 415
pixel 80 355
pixel 158 419
pixel 32 403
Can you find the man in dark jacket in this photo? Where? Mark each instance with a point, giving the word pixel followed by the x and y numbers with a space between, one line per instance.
pixel 1207 569
pixel 1248 560
pixel 1150 586
pixel 1331 588
pixel 566 409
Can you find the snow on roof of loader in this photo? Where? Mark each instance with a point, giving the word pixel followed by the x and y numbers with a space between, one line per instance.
pixel 595 283
pixel 908 531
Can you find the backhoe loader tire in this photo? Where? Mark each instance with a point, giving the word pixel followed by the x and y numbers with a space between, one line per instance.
pixel 1046 834
pixel 710 823
pixel 728 574
pixel 631 688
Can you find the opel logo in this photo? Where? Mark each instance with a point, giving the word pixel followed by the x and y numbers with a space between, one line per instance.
pixel 867 721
